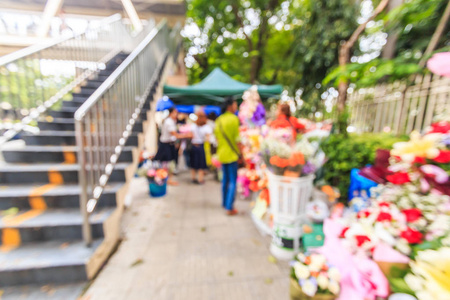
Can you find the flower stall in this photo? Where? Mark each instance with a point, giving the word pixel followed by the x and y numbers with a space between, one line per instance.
pixel 390 242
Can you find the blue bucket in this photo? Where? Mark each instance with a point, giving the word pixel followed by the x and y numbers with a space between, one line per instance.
pixel 157 190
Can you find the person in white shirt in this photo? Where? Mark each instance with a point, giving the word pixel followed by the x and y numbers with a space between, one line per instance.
pixel 200 134
pixel 166 148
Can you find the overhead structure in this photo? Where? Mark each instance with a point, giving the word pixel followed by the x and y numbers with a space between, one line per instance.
pixel 172 10
pixel 52 8
pixel 214 88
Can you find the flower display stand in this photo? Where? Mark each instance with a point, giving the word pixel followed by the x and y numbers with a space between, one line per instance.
pixel 289 196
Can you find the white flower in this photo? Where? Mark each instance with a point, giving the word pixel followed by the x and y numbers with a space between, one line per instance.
pixel 301 271
pixel 309 288
pixel 334 274
pixel 322 281
pixel 384 234
pixel 446 241
pixel 403 246
pixel 415 283
pixel 317 262
pixel 423 295
pixel 301 257
pixel 334 287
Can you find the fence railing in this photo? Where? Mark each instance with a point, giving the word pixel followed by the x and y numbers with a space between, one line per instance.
pixel 34 79
pixel 398 108
pixel 105 121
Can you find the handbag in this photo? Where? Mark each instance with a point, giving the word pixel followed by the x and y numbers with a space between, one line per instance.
pixel 241 161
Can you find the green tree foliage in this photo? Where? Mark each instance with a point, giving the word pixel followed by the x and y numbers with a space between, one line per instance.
pixel 325 24
pixel 296 42
pixel 415 22
pixel 247 39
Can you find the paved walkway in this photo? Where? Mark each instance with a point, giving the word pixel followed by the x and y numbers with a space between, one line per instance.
pixel 184 247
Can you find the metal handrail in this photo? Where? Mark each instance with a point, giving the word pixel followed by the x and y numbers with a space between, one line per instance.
pixel 27 93
pixel 22 53
pixel 105 121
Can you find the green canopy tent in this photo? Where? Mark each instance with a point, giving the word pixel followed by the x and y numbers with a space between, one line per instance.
pixel 214 88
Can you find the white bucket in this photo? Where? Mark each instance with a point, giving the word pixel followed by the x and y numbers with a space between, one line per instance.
pixel 286 240
pixel 289 196
pixel 288 199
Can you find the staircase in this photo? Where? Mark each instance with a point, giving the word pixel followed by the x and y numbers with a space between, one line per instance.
pixel 41 225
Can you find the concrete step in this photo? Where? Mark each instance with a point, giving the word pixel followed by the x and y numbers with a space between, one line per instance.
pixel 53 224
pixel 54 262
pixel 68 291
pixel 68 124
pixel 59 124
pixel 50 173
pixel 57 196
pixel 52 154
pixel 52 137
pixel 94 83
pixel 63 112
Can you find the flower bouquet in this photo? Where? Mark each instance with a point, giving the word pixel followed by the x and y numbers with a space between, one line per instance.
pixel 292 161
pixel 313 278
pixel 157 175
pixel 252 112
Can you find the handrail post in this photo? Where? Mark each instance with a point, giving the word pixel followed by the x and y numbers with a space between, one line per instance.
pixel 82 178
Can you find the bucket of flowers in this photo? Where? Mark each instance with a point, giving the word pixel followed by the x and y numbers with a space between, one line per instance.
pixel 157 175
pixel 291 168
pixel 313 278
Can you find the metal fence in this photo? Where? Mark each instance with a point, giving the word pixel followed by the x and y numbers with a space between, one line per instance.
pixel 105 121
pixel 34 79
pixel 398 108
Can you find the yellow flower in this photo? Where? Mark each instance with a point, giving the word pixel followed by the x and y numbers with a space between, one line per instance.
pixel 426 146
pixel 432 268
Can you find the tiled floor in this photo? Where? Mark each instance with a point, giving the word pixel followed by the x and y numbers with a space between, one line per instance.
pixel 184 247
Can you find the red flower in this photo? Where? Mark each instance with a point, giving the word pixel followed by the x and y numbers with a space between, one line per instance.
pixel 412 214
pixel 363 214
pixel 384 216
pixel 343 232
pixel 412 236
pixel 440 127
pixel 384 204
pixel 399 178
pixel 443 157
pixel 420 160
pixel 361 239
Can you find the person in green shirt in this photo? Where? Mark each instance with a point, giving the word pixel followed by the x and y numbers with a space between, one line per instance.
pixel 227 135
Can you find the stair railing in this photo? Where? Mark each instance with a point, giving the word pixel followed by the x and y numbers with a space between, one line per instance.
pixel 34 79
pixel 105 121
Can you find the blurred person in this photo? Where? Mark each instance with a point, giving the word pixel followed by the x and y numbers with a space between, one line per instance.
pixel 169 135
pixel 286 120
pixel 228 152
pixel 200 134
pixel 211 143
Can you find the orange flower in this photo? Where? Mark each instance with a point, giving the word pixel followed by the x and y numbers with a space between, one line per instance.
pixel 264 195
pixel 254 186
pixel 299 158
pixel 279 162
pixel 161 173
